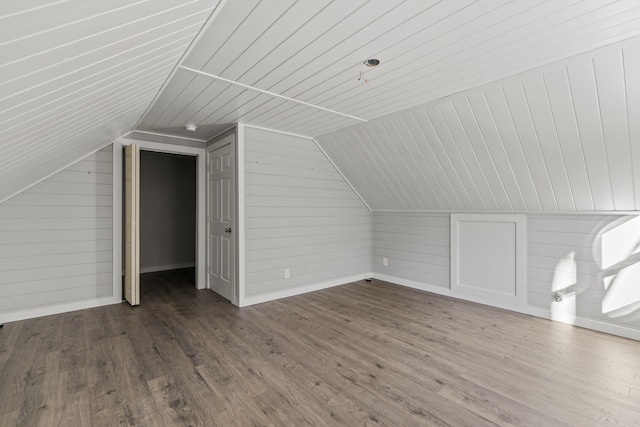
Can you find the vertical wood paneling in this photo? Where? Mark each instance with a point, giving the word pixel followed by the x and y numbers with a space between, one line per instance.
pixel 612 99
pixel 545 132
pixel 631 58
pixel 56 238
pixel 568 137
pixel 300 214
pixel 585 104
pixel 558 138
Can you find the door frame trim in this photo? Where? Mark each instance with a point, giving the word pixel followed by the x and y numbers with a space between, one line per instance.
pixel 200 154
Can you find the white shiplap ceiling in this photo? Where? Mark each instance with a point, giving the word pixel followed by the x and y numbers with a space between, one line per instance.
pixel 564 137
pixel 312 51
pixel 75 74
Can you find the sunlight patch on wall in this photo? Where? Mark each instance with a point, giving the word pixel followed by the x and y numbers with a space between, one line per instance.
pixel 565 273
pixel 623 293
pixel 620 242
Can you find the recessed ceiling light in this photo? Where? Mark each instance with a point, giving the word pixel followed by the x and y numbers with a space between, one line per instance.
pixel 372 62
pixel 191 127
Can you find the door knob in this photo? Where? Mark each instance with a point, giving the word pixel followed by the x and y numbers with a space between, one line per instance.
pixel 227 230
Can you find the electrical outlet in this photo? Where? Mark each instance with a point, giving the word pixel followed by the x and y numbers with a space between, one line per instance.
pixel 287 273
pixel 385 261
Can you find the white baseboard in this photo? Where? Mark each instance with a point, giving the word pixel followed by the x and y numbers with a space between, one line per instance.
pixel 56 309
pixel 271 296
pixel 166 267
pixel 596 325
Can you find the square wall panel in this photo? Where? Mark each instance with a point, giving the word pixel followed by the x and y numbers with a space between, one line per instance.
pixel 488 256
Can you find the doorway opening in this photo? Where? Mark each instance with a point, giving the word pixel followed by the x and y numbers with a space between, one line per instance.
pixel 172 197
pixel 167 211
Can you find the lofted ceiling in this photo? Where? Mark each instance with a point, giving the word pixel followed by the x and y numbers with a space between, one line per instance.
pixel 76 74
pixel 563 137
pixel 311 52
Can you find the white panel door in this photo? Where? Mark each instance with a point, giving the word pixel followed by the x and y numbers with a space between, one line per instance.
pixel 488 256
pixel 221 224
pixel 132 224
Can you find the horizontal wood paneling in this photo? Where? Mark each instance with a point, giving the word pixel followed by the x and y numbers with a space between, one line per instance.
pixel 557 138
pixel 300 214
pixel 565 253
pixel 592 259
pixel 415 245
pixel 56 238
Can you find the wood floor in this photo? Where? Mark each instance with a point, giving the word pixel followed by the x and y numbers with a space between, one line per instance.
pixel 359 354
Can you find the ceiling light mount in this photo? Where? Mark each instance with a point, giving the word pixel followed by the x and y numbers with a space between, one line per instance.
pixel 191 127
pixel 371 62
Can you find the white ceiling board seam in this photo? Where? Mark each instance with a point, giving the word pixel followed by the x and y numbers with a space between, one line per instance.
pixel 602 134
pixel 297 135
pixel 557 140
pixel 626 103
pixel 166 135
pixel 71 23
pixel 156 66
pixel 266 92
pixel 342 175
pixel 74 83
pixel 111 29
pixel 33 9
pixel 198 36
pixel 549 213
pixel 519 139
pixel 22 189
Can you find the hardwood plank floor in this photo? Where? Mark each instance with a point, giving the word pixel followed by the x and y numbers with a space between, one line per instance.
pixel 359 354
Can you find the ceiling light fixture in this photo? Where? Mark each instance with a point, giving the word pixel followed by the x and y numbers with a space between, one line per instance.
pixel 191 127
pixel 372 62
pixel 369 63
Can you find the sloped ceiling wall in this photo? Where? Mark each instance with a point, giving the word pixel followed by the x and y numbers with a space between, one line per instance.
pixel 564 137
pixel 76 74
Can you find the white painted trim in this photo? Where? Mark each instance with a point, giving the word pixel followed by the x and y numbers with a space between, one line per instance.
pixel 271 296
pixel 38 181
pixel 410 212
pixel 519 221
pixel 342 175
pixel 240 243
pixel 191 46
pixel 275 130
pixel 117 219
pixel 266 92
pixel 582 322
pixel 57 309
pixel 200 154
pixel 164 135
pixel 232 127
pixel 156 268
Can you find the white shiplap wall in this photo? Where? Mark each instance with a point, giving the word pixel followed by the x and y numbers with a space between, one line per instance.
pixel 592 259
pixel 589 258
pixel 416 246
pixel 56 240
pixel 299 214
